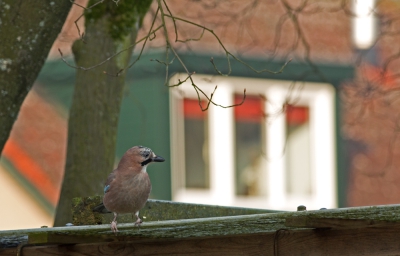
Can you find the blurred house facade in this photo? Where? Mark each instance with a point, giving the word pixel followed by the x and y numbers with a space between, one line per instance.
pixel 289 143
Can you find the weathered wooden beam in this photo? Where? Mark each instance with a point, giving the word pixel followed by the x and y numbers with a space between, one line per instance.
pixel 155 210
pixel 204 227
pixel 307 222
pixel 238 245
pixel 310 242
pixel 207 227
pixel 349 233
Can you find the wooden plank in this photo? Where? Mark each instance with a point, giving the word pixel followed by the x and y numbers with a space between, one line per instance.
pixel 307 222
pixel 248 245
pixel 363 241
pixel 233 225
pixel 45 238
pixel 219 226
pixel 155 210
pixel 256 224
pixel 8 251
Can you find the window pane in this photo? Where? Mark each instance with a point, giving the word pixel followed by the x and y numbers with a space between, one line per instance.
pixel 298 167
pixel 249 138
pixel 196 148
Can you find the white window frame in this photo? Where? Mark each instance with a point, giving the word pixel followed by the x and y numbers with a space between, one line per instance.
pixel 364 23
pixel 319 97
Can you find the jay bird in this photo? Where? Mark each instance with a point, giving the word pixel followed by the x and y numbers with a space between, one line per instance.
pixel 128 187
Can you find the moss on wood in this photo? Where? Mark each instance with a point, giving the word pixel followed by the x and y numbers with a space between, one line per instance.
pixel 154 210
pixel 120 16
pixel 202 227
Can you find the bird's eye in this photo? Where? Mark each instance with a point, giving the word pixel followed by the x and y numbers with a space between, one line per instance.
pixel 146 153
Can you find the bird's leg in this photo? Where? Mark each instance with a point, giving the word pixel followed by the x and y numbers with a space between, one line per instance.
pixel 114 223
pixel 138 220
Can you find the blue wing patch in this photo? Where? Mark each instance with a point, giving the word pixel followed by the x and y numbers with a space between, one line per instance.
pixel 106 188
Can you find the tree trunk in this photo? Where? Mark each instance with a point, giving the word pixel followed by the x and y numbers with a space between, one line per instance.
pixel 27 31
pixel 93 120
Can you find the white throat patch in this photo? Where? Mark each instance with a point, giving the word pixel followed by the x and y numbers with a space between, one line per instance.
pixel 144 168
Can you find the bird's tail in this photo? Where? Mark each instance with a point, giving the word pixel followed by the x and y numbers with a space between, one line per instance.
pixel 101 209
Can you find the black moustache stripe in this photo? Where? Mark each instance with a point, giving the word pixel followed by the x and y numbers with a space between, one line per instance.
pixel 146 161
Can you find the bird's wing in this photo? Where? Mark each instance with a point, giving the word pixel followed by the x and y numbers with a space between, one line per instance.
pixel 101 208
pixel 109 180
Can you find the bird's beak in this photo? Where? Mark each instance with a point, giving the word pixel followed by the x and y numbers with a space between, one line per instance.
pixel 158 159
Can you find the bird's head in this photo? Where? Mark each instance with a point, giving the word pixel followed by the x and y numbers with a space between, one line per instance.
pixel 148 156
pixel 138 157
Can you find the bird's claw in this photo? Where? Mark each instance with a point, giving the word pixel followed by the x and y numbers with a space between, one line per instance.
pixel 114 227
pixel 138 222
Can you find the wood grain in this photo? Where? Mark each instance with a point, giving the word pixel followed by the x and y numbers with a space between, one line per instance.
pixel 362 241
pixel 352 231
